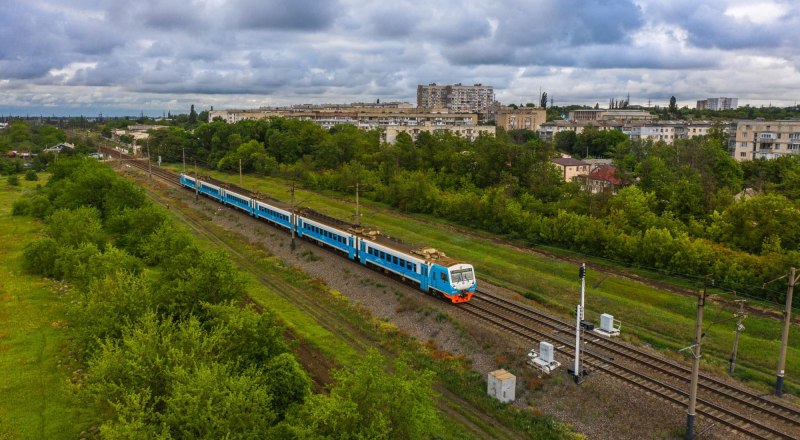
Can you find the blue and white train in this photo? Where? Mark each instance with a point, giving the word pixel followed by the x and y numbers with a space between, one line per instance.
pixel 432 270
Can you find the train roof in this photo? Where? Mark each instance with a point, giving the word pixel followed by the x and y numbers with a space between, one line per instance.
pixel 427 254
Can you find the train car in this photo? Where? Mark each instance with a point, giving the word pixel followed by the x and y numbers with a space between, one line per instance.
pixel 431 269
pixel 326 230
pixel 244 203
pixel 212 191
pixel 271 212
pixel 187 181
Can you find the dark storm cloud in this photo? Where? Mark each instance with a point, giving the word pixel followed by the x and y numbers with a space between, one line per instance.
pixel 30 45
pixel 107 72
pixel 709 25
pixel 368 49
pixel 571 22
pixel 299 15
pixel 556 32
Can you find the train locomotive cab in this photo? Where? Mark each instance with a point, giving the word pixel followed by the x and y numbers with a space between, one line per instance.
pixel 462 282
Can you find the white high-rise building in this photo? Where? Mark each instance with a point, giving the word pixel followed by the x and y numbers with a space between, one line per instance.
pixel 718 103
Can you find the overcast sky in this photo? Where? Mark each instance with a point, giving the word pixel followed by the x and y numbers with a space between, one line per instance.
pixel 123 57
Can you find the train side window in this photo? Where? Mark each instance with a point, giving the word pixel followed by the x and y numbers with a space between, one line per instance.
pixel 443 276
pixel 394 260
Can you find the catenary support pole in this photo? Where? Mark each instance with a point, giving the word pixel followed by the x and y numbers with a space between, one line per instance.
pixel 698 337
pixel 739 328
pixel 787 322
pixel 240 173
pixel 293 220
pixel 358 216
pixel 196 182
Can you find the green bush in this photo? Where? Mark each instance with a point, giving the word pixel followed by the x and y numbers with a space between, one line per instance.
pixel 31 175
pixel 39 257
pixel 21 207
pixel 13 180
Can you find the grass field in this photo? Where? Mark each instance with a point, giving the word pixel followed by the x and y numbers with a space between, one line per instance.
pixel 36 401
pixel 660 318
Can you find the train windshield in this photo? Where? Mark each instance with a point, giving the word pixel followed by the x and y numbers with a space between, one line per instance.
pixel 463 275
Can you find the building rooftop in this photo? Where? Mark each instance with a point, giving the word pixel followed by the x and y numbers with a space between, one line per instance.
pixel 568 162
pixel 607 173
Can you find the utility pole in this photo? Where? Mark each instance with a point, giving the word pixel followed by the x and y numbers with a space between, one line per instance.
pixel 698 337
pixel 240 173
pixel 739 328
pixel 196 182
pixel 582 273
pixel 787 322
pixel 358 216
pixel 183 153
pixel 293 219
pixel 149 162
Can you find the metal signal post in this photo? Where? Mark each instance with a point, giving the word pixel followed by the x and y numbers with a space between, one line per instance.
pixel 582 273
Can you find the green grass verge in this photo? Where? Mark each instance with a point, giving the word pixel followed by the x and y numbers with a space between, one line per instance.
pixel 663 319
pixel 36 400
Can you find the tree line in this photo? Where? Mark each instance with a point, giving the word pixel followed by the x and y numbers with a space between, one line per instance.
pixel 680 211
pixel 167 347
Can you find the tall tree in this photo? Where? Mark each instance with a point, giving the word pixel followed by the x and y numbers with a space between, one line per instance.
pixel 192 115
pixel 673 105
pixel 543 100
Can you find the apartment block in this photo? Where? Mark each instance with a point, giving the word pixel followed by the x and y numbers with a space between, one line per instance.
pixel 548 130
pixel 468 132
pixel 457 98
pixel 668 131
pixel 610 115
pixel 527 118
pixel 760 139
pixel 392 119
pixel 718 103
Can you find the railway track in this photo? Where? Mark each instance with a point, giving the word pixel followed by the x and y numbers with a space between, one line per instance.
pixel 610 356
pixel 726 404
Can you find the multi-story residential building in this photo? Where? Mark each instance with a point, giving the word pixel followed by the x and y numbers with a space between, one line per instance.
pixel 362 117
pixel 668 131
pixel 610 115
pixel 718 103
pixel 527 118
pixel 761 139
pixel 457 98
pixel 548 130
pixel 469 132
pixel 393 119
